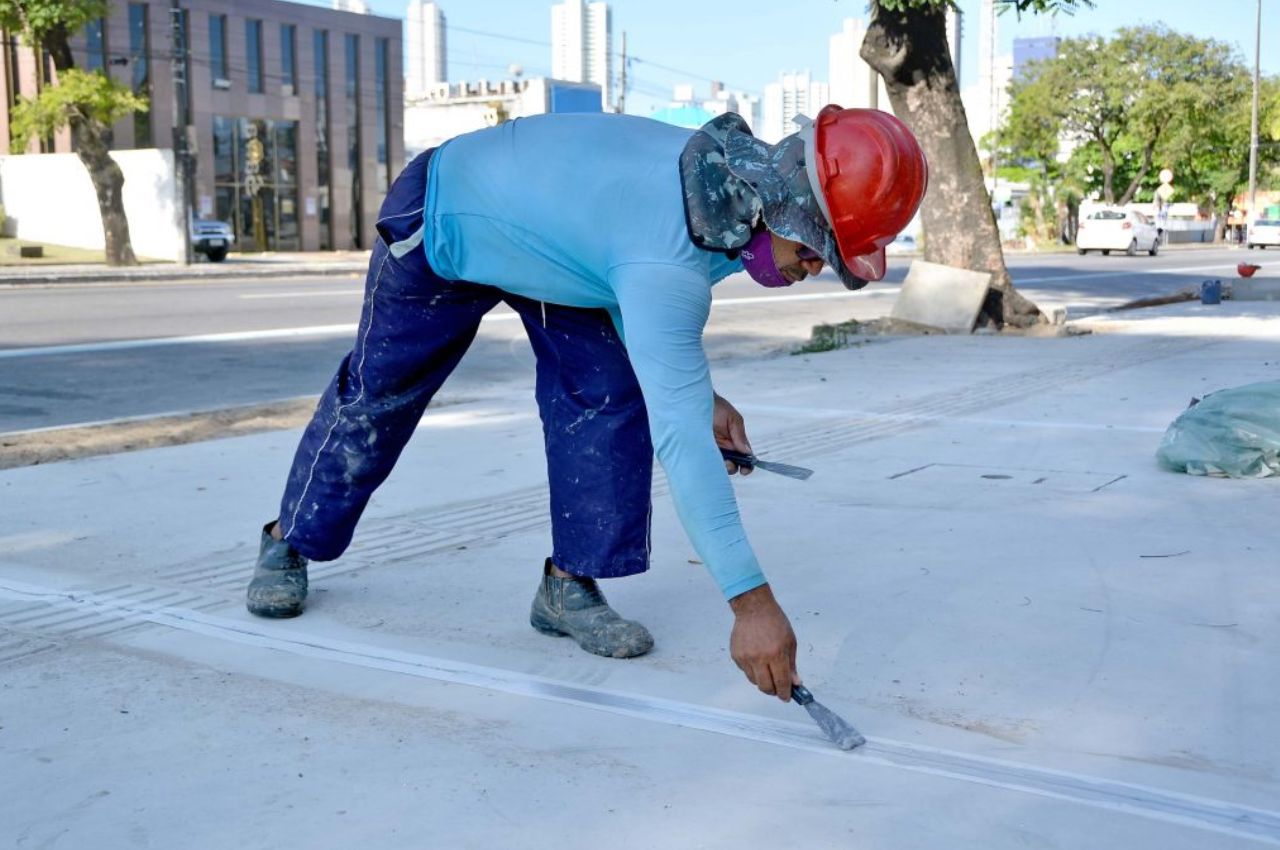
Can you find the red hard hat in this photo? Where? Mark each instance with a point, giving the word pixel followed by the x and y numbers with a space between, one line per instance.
pixel 870 175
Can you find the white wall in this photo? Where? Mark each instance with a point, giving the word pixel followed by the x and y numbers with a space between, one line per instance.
pixel 50 198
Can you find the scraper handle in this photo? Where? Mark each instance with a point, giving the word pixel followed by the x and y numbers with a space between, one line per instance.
pixel 801 694
pixel 799 473
pixel 739 458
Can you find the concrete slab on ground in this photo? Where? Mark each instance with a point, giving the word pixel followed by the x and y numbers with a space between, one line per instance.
pixel 942 296
pixel 1048 640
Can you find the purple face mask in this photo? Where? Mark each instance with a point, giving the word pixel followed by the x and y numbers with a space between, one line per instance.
pixel 757 259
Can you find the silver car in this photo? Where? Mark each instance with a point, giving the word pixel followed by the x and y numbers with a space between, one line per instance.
pixel 212 238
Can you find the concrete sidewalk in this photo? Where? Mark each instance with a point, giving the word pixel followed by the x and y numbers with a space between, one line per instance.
pixel 273 264
pixel 1048 641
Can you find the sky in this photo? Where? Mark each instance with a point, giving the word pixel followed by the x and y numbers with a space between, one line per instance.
pixel 748 43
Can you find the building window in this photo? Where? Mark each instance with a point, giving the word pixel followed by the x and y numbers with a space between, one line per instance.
pixel 288 62
pixel 13 72
pixel 95 45
pixel 224 168
pixel 320 46
pixel 382 56
pixel 353 139
pixel 253 54
pixel 255 181
pixel 139 63
pixel 218 51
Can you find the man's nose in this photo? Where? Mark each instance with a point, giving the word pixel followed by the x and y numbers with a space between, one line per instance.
pixel 813 267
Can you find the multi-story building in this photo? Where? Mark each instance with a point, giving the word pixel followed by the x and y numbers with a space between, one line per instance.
pixel 582 45
pixel 794 94
pixel 451 109
pixel 426 48
pixel 294 113
pixel 854 83
pixel 1028 50
pixel 955 39
pixel 686 105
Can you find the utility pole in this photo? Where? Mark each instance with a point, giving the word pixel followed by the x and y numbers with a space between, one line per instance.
pixel 181 138
pixel 622 84
pixel 993 115
pixel 1253 137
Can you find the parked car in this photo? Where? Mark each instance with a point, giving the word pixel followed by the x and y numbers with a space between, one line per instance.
pixel 1264 232
pixel 212 238
pixel 1114 229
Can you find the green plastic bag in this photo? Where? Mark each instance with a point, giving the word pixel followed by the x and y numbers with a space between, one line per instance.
pixel 1233 433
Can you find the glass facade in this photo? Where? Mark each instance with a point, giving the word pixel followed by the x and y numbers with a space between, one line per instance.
pixel 253 55
pixel 324 157
pixel 256 181
pixel 218 48
pixel 139 62
pixel 288 60
pixel 95 45
pixel 382 57
pixel 352 99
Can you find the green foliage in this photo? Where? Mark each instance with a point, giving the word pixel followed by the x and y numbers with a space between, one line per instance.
pixel 35 19
pixel 1144 99
pixel 79 96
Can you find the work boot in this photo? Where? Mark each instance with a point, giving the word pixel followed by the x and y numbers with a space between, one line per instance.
pixel 279 585
pixel 575 607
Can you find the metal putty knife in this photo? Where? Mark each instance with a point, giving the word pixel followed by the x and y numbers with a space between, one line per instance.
pixel 797 472
pixel 832 725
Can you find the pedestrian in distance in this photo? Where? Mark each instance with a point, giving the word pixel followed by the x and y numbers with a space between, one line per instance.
pixel 605 233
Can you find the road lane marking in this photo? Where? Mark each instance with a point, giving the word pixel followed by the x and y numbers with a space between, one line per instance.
pixel 307 294
pixel 321 331
pixel 1205 813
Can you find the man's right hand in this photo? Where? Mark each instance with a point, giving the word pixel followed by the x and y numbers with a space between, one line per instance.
pixel 763 644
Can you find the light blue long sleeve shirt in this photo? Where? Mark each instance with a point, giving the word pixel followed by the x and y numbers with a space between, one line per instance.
pixel 587 210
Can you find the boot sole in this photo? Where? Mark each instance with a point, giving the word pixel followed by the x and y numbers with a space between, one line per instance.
pixel 546 628
pixel 275 613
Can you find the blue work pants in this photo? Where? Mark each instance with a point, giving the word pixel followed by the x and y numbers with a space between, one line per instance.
pixel 414 329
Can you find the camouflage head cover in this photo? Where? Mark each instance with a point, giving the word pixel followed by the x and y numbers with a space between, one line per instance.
pixel 732 180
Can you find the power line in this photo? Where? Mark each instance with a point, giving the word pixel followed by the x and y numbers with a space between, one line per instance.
pixel 612 54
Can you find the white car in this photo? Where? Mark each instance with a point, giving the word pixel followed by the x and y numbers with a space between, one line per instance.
pixel 903 243
pixel 1114 229
pixel 1264 232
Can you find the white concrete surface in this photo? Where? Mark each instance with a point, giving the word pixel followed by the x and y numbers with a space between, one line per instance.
pixel 1048 641
pixel 50 198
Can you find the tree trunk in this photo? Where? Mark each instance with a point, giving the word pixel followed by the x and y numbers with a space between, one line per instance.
pixel 108 183
pixel 1108 172
pixel 909 50
pixel 1147 153
pixel 104 172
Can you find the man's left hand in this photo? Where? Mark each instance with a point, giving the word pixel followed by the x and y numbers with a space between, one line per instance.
pixel 730 432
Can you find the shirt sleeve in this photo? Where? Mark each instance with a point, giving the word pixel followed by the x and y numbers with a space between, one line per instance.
pixel 664 309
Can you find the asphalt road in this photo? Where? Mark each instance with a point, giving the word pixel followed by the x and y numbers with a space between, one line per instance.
pixel 73 354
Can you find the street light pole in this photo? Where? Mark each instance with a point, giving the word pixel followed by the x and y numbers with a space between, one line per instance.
pixel 1253 138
